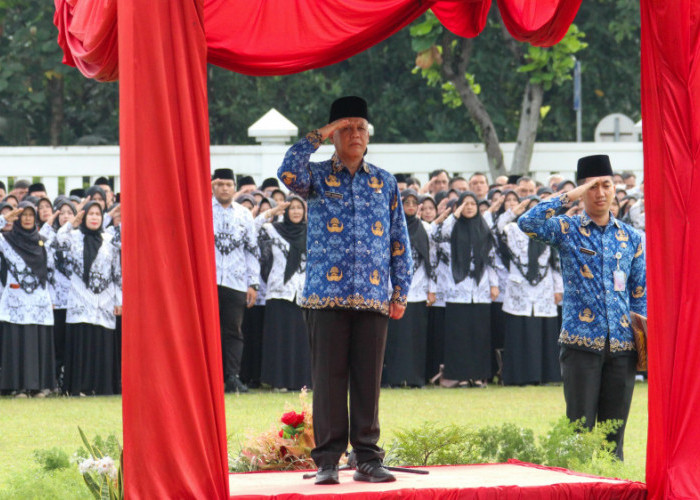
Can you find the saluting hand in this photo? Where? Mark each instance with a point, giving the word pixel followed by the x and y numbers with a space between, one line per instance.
pixel 444 215
pixel 278 210
pixel 116 215
pixel 78 219
pixel 13 215
pixel 458 211
pixel 327 130
pixel 496 205
pixel 522 207
pixel 51 219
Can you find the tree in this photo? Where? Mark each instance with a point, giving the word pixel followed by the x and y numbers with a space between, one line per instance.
pixel 444 60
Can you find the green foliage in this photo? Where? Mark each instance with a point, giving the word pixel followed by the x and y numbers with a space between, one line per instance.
pixel 565 444
pixel 60 484
pixel 53 459
pixel 552 66
pixel 103 477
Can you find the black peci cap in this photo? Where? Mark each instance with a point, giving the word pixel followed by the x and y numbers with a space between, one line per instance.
pixel 348 107
pixel 225 174
pixel 593 166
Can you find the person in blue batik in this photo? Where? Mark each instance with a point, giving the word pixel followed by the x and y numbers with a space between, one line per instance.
pixel 357 276
pixel 604 274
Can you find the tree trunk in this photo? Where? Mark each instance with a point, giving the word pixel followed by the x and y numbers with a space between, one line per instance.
pixel 527 131
pixel 55 86
pixel 477 110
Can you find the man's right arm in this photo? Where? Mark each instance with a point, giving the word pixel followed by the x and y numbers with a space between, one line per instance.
pixel 294 171
pixel 539 222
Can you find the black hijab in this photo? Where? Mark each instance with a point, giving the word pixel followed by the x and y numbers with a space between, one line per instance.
pixel 29 245
pixel 92 190
pixel 535 248
pixel 47 200
pixel 295 234
pixel 62 261
pixel 92 240
pixel 417 233
pixel 470 241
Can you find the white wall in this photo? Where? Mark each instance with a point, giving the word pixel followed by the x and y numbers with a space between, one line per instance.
pixel 261 161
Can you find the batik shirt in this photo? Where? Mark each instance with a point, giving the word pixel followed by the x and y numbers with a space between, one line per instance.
pixel 593 310
pixel 92 303
pixel 358 251
pixel 24 301
pixel 235 240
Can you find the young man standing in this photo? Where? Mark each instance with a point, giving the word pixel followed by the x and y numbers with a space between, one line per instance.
pixel 604 273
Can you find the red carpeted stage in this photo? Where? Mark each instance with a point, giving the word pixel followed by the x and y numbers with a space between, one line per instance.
pixel 514 480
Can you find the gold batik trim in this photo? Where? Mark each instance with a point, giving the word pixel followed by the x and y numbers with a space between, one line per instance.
pixel 355 301
pixel 597 343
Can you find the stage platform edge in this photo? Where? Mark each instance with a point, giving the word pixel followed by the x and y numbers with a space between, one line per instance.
pixel 512 480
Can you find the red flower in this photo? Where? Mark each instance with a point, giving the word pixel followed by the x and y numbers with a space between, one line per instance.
pixel 293 419
pixel 281 434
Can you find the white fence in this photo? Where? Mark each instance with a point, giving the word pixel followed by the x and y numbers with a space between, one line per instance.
pixel 75 162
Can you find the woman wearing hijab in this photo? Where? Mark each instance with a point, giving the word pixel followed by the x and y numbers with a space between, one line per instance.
pixel 11 200
pixel 254 317
pixel 94 301
pixel 286 356
pixel 435 352
pixel 45 210
pixel 507 201
pixel 60 278
pixel 428 208
pixel 25 307
pixel 535 286
pixel 406 343
pixel 470 284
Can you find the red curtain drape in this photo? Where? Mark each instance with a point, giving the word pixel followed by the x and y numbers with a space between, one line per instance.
pixel 173 403
pixel 671 129
pixel 276 37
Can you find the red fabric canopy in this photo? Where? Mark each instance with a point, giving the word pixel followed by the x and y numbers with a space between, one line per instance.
pixel 173 406
pixel 276 37
pixel 671 127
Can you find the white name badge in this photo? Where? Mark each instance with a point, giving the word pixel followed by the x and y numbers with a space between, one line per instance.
pixel 619 280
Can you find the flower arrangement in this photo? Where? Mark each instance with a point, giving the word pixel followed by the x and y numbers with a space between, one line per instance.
pixel 103 477
pixel 285 448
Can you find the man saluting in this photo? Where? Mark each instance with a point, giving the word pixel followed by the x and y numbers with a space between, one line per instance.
pixel 604 272
pixel 357 276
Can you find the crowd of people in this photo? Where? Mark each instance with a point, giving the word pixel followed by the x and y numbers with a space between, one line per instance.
pixel 485 300
pixel 484 304
pixel 60 285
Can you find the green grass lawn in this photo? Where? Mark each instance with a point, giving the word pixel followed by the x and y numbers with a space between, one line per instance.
pixel 28 425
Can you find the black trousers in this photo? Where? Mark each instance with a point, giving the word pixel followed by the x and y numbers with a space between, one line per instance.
pixel 598 387
pixel 231 308
pixel 347 350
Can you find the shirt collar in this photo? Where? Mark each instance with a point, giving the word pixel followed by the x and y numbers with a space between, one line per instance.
pixel 586 220
pixel 337 165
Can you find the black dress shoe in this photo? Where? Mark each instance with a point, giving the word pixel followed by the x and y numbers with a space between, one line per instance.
pixel 234 384
pixel 327 474
pixel 373 472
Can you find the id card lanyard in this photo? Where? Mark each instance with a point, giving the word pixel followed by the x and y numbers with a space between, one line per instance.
pixel 619 278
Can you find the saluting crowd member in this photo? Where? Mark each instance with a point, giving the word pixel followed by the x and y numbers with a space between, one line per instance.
pixel 94 302
pixel 286 358
pixel 25 307
pixel 406 344
pixel 470 283
pixel 533 289
pixel 237 271
pixel 60 282
pixel 604 274
pixel 358 274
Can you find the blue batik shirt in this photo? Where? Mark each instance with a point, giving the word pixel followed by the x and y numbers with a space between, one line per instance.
pixel 358 249
pixel 593 310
